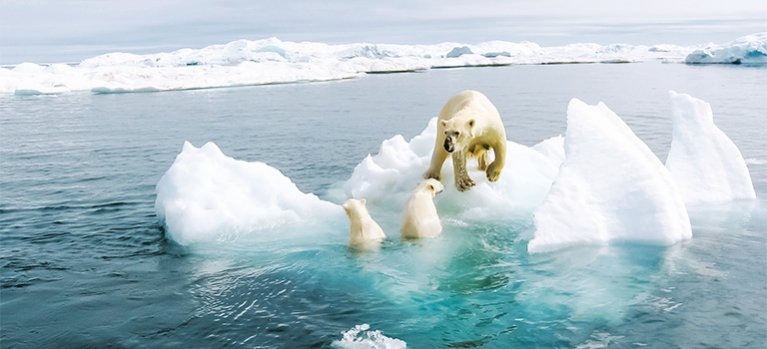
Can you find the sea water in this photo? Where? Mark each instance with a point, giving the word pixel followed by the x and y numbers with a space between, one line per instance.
pixel 86 262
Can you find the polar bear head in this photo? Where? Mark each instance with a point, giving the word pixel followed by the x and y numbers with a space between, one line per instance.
pixel 458 132
pixel 431 186
pixel 354 207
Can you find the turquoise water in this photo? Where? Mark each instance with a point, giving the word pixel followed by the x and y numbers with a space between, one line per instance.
pixel 85 262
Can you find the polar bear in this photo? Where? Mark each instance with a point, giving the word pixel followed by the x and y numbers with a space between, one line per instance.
pixel 468 126
pixel 364 232
pixel 421 218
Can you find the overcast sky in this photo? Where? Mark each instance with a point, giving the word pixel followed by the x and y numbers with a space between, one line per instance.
pixel 70 30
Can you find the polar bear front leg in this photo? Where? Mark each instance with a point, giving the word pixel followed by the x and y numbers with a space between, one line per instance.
pixel 462 180
pixel 438 157
pixel 495 168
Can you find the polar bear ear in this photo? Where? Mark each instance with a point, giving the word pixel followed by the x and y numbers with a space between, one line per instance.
pixel 471 123
pixel 430 187
pixel 363 202
pixel 443 123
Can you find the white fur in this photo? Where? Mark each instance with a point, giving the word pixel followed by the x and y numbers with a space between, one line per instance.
pixel 364 232
pixel 421 218
pixel 473 125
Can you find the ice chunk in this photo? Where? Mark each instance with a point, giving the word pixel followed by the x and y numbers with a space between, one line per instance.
pixel 388 178
pixel 749 49
pixel 361 337
pixel 610 187
pixel 459 51
pixel 705 164
pixel 207 196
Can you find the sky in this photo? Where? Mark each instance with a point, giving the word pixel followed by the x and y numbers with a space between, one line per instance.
pixel 71 30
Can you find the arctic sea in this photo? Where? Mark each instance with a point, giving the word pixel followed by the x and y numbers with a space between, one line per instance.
pixel 86 262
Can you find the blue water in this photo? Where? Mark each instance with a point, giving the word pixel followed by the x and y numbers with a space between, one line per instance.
pixel 85 262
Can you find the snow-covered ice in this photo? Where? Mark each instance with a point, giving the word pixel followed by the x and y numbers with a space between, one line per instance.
pixel 272 61
pixel 207 196
pixel 705 164
pixel 610 187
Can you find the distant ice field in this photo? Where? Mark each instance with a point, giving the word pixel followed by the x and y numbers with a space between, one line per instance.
pixel 273 61
pixel 79 227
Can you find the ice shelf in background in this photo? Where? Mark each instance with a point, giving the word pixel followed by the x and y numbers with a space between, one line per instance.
pixel 272 61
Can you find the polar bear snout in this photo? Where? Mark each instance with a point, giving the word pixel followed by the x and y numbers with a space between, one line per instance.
pixel 449 147
pixel 451 138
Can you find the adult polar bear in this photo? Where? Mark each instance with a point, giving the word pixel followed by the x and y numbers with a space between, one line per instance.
pixel 469 125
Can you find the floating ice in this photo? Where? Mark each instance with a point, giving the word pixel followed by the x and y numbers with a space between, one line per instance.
pixel 609 187
pixel 388 178
pixel 749 49
pixel 361 337
pixel 207 196
pixel 271 61
pixel 705 164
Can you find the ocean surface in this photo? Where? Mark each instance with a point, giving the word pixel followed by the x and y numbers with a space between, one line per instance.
pixel 85 261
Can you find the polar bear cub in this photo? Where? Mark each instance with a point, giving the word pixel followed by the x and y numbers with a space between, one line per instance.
pixel 469 125
pixel 364 232
pixel 421 218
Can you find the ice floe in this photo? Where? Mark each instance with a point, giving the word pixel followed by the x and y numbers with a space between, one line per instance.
pixel 207 196
pixel 597 184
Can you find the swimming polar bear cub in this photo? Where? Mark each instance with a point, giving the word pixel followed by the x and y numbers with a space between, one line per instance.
pixel 421 218
pixel 469 125
pixel 364 232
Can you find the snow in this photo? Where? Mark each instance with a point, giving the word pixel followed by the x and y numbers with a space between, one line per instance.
pixel 361 337
pixel 705 164
pixel 749 49
pixel 207 196
pixel 272 61
pixel 610 187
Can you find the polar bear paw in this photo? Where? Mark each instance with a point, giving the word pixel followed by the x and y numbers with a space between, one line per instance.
pixel 464 183
pixel 493 172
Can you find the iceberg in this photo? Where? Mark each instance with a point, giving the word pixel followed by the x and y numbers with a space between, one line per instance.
pixel 207 196
pixel 610 187
pixel 273 61
pixel 749 49
pixel 706 165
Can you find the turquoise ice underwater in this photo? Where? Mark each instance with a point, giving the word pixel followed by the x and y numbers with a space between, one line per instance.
pixel 475 285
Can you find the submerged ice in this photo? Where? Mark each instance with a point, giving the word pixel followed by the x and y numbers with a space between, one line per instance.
pixel 597 184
